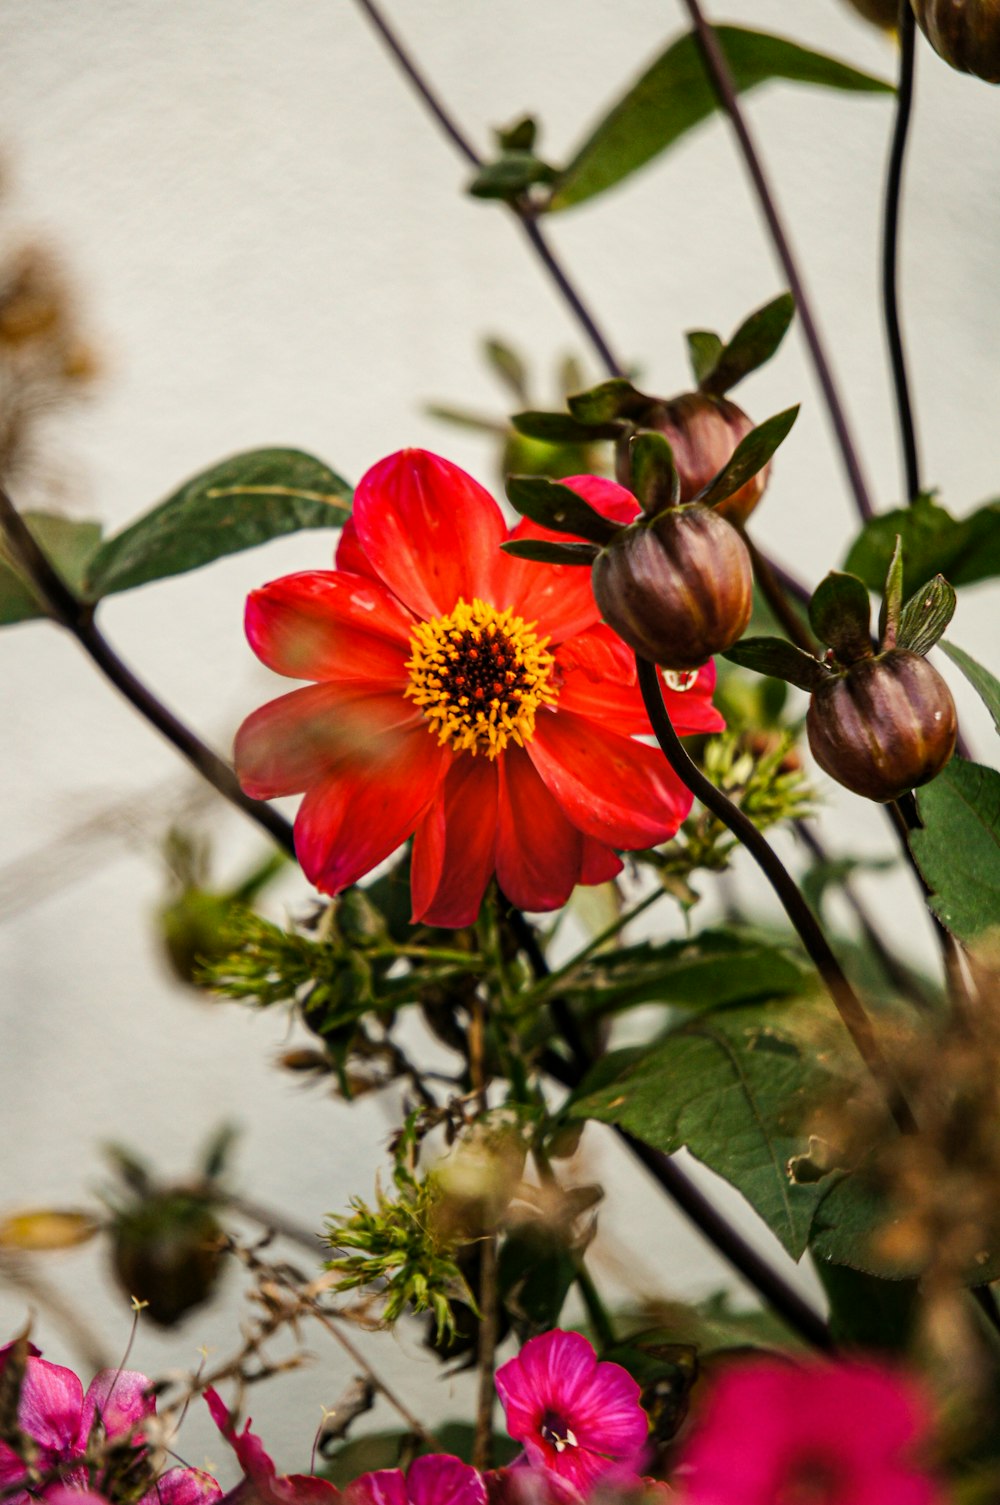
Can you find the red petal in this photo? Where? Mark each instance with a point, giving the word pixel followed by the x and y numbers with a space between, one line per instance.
pixel 454 848
pixel 600 654
pixel 619 791
pixel 692 710
pixel 600 864
pixel 621 706
pixel 301 738
pixel 350 555
pixel 358 816
pixel 538 851
pixel 430 530
pixel 606 497
pixel 329 625
pixel 559 597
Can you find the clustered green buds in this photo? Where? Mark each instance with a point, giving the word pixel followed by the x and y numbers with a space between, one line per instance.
pixel 881 720
pixel 966 33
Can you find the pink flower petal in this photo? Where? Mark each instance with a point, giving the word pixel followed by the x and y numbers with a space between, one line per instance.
pixel 384 1486
pixel 439 1479
pixel 182 1486
pixel 606 497
pixel 620 792
pixel 252 1456
pixel 454 846
pixel 430 531
pixel 325 624
pixel 119 1399
pixel 50 1405
pixel 358 816
pixel 301 738
pixel 539 853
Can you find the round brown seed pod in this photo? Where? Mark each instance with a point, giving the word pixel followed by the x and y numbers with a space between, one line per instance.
pixel 884 726
pixel 966 33
pixel 703 432
pixel 883 13
pixel 677 587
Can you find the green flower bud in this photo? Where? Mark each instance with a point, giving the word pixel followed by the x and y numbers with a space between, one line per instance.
pixel 677 587
pixel 885 725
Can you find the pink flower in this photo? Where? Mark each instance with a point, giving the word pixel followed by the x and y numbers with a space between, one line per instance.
pixel 56 1415
pixel 811 1434
pixel 460 696
pixel 579 1420
pixel 261 1483
pixel 437 1479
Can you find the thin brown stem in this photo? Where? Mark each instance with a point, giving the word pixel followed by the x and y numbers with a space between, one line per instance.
pixel 414 1423
pixel 482 1448
pixel 718 71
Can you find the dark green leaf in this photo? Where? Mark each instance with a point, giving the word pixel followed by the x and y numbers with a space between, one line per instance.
pixel 963 550
pixel 549 551
pixel 959 848
pixel 674 94
pixel 982 681
pixel 779 658
pixel 67 544
pixel 738 1090
pixel 926 616
pixel 892 599
pixel 749 457
pixel 840 614
pixel 866 1312
pixel 510 175
pixel 557 507
pixel 519 137
pixel 562 428
pixel 535 1271
pixel 509 366
pixel 752 345
pixel 237 505
pixel 654 475
pixel 610 400
pixel 704 349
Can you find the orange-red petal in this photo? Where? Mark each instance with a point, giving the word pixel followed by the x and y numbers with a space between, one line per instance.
pixel 559 597
pixel 350 555
pixel 620 705
pixel 326 624
pixel 454 847
pixel 600 863
pixel 539 852
pixel 619 791
pixel 429 530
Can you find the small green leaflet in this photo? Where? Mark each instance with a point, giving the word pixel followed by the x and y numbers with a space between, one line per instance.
pixel 982 681
pixel 67 544
pixel 958 850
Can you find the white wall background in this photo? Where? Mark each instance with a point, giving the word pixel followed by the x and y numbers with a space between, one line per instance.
pixel 273 247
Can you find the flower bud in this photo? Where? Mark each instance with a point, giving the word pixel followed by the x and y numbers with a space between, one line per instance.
pixel 966 33
pixel 677 587
pixel 883 726
pixel 883 13
pixel 166 1252
pixel 703 432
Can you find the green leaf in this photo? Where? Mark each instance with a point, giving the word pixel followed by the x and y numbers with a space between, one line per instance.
pixel 509 366
pixel 535 1271
pixel 519 137
pixel 607 402
pixel 376 1450
pixel 704 349
pixel 654 475
pixel 754 343
pixel 66 543
pixel 840 614
pixel 781 659
pixel 958 850
pixel 674 95
pixel 926 616
pixel 237 505
pixel 557 507
pixel 982 681
pixel 749 457
pixel 866 1312
pixel 738 1090
pixel 510 175
pixel 561 428
pixel 549 551
pixel 892 599
pixel 963 550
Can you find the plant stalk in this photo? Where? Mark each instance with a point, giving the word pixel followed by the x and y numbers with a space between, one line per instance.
pixel 890 250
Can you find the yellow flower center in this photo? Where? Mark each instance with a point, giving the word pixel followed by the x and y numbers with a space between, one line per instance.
pixel 479 675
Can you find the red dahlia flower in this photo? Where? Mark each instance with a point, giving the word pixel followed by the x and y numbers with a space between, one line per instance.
pixel 579 1420
pixel 469 699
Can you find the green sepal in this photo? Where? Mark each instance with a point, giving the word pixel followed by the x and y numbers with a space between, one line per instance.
pixel 557 507
pixel 892 599
pixel 611 400
pixel 655 481
pixel 519 137
pixel 781 660
pixel 754 343
pixel 562 428
pixel 840 615
pixel 704 350
pixel 925 617
pixel 549 551
pixel 508 366
pixel 982 681
pixel 749 457
pixel 512 174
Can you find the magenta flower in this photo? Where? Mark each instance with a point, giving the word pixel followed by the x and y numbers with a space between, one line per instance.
pixel 261 1483
pixel 817 1433
pixel 579 1420
pixel 437 1479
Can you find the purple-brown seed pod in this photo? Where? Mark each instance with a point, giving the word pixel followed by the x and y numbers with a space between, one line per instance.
pixel 966 33
pixel 883 726
pixel 703 433
pixel 677 587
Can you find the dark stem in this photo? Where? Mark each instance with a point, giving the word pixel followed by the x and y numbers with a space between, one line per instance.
pixel 533 230
pixel 77 617
pixel 890 249
pixel 482 1448
pixel 848 1004
pixel 718 71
